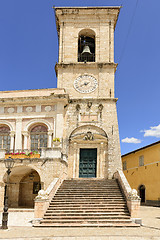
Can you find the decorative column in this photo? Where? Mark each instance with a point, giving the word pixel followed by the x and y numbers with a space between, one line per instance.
pixel 101 166
pixel 50 132
pixel 12 134
pixel 25 134
pixel 59 120
pixel 18 139
pixel 111 41
pixel 75 161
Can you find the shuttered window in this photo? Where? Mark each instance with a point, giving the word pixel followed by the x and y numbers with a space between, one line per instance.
pixel 141 161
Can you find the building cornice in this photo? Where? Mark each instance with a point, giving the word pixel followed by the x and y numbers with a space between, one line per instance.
pixel 109 12
pixel 86 65
pixel 37 99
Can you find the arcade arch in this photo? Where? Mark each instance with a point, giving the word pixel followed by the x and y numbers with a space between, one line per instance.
pixel 24 184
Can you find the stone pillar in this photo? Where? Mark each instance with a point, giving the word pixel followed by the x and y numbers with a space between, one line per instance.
pixel 25 134
pixel 50 132
pixel 111 41
pixel 1 195
pixel 12 134
pixel 2 153
pixel 75 161
pixel 18 140
pixel 101 160
pixel 59 121
pixel 133 207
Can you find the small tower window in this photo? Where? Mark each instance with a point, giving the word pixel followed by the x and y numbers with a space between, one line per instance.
pixel 141 161
pixel 124 165
pixel 86 46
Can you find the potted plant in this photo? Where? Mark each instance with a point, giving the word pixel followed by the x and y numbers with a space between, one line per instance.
pixel 33 154
pixel 56 141
pixel 16 155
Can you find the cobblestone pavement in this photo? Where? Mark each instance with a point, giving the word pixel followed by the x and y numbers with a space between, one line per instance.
pixel 150 229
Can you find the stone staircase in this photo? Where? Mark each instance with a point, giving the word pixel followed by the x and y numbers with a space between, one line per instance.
pixel 88 203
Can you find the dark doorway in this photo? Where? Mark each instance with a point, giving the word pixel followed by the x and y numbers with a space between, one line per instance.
pixel 142 193
pixel 88 162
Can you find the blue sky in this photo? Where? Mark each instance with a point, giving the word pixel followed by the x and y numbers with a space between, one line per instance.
pixel 29 51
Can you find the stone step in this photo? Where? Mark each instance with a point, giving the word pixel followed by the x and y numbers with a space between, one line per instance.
pixel 89 187
pixel 109 224
pixel 83 199
pixel 76 210
pixel 84 208
pixel 88 197
pixel 107 214
pixel 87 203
pixel 86 220
pixel 89 193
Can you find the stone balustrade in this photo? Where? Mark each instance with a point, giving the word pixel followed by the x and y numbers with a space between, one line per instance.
pixel 133 200
pixel 44 197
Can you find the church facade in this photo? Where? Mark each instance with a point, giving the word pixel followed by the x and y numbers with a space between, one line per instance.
pixel 72 129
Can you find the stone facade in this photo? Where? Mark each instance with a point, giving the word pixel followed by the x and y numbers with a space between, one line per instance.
pixel 75 119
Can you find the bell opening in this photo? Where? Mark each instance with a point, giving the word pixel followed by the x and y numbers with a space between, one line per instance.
pixel 86 49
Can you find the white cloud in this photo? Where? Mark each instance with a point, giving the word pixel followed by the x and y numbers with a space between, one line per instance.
pixel 131 140
pixel 152 132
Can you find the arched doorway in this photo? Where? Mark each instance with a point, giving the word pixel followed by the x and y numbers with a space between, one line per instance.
pixel 88 152
pixel 142 193
pixel 24 184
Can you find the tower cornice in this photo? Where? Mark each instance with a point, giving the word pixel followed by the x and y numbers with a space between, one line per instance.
pixel 86 65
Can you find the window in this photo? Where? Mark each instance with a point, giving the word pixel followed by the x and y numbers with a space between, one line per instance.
pixel 141 161
pixel 124 165
pixel 86 46
pixel 36 187
pixel 5 138
pixel 39 137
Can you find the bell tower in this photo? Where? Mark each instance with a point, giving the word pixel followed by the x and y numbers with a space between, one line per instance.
pixel 86 70
pixel 86 50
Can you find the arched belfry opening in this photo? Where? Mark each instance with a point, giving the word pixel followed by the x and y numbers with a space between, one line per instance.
pixel 86 46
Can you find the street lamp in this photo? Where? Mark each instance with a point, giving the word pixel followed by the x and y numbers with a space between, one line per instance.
pixel 8 164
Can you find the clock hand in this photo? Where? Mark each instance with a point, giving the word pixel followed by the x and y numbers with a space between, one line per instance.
pixel 84 84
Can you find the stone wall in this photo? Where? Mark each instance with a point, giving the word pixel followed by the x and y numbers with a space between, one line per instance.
pixel 47 170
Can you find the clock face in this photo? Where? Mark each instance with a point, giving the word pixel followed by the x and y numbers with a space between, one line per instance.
pixel 85 84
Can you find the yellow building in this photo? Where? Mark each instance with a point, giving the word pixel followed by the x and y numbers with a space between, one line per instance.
pixel 142 170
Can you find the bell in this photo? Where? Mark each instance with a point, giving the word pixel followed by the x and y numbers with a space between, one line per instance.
pixel 86 50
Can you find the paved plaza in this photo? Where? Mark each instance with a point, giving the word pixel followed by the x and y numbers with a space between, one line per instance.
pixel 20 228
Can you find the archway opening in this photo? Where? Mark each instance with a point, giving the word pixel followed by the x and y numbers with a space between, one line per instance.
pixel 142 193
pixel 24 184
